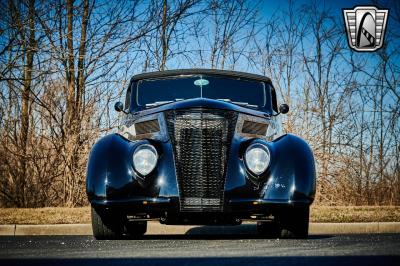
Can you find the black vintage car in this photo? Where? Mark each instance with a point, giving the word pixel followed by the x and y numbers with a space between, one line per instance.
pixel 200 146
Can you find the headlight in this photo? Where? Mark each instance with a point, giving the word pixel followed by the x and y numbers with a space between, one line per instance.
pixel 145 159
pixel 257 158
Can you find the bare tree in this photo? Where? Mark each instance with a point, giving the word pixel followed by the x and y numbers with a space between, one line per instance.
pixel 234 23
pixel 169 40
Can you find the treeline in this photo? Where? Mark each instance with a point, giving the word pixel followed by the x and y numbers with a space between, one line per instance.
pixel 64 63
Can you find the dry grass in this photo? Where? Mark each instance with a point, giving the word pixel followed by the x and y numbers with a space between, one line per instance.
pixel 52 215
pixel 318 214
pixel 352 214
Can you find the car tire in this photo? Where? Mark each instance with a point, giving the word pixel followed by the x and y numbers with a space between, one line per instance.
pixel 294 222
pixel 106 225
pixel 136 229
pixel 268 229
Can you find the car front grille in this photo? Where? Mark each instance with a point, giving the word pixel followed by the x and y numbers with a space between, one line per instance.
pixel 201 140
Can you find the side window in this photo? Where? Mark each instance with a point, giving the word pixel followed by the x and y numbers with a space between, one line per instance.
pixel 128 98
pixel 274 103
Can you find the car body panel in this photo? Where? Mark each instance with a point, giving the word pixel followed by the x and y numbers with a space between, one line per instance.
pixel 112 181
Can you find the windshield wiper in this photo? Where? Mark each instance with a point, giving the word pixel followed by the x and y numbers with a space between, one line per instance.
pixel 148 105
pixel 239 103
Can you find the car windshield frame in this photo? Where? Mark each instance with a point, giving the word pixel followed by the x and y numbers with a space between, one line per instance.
pixel 266 89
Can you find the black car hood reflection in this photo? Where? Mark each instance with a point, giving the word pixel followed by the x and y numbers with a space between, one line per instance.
pixel 201 103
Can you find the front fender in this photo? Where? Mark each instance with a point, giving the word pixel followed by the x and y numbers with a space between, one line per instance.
pixel 111 175
pixel 292 174
pixel 289 178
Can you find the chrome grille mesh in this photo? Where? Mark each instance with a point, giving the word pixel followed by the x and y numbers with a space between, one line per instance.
pixel 251 127
pixel 147 127
pixel 201 140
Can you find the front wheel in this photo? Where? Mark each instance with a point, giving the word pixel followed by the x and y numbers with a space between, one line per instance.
pixel 294 222
pixel 106 225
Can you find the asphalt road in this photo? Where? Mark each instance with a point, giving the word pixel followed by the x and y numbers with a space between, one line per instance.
pixel 202 249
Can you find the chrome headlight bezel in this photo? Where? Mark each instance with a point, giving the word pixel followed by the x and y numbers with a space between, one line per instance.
pixel 264 158
pixel 136 159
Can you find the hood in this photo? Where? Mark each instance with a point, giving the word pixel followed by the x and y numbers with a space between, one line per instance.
pixel 201 103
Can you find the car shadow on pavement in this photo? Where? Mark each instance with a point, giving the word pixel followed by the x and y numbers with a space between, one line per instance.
pixel 244 231
pixel 216 237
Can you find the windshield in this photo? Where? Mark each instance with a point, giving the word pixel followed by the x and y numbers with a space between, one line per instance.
pixel 154 92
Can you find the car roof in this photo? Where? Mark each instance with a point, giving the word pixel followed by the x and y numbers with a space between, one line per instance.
pixel 194 71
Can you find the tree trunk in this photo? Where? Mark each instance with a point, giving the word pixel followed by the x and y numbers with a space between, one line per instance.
pixel 164 40
pixel 81 59
pixel 75 97
pixel 70 70
pixel 25 113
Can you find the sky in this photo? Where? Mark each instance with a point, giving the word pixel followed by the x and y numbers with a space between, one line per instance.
pixel 268 6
